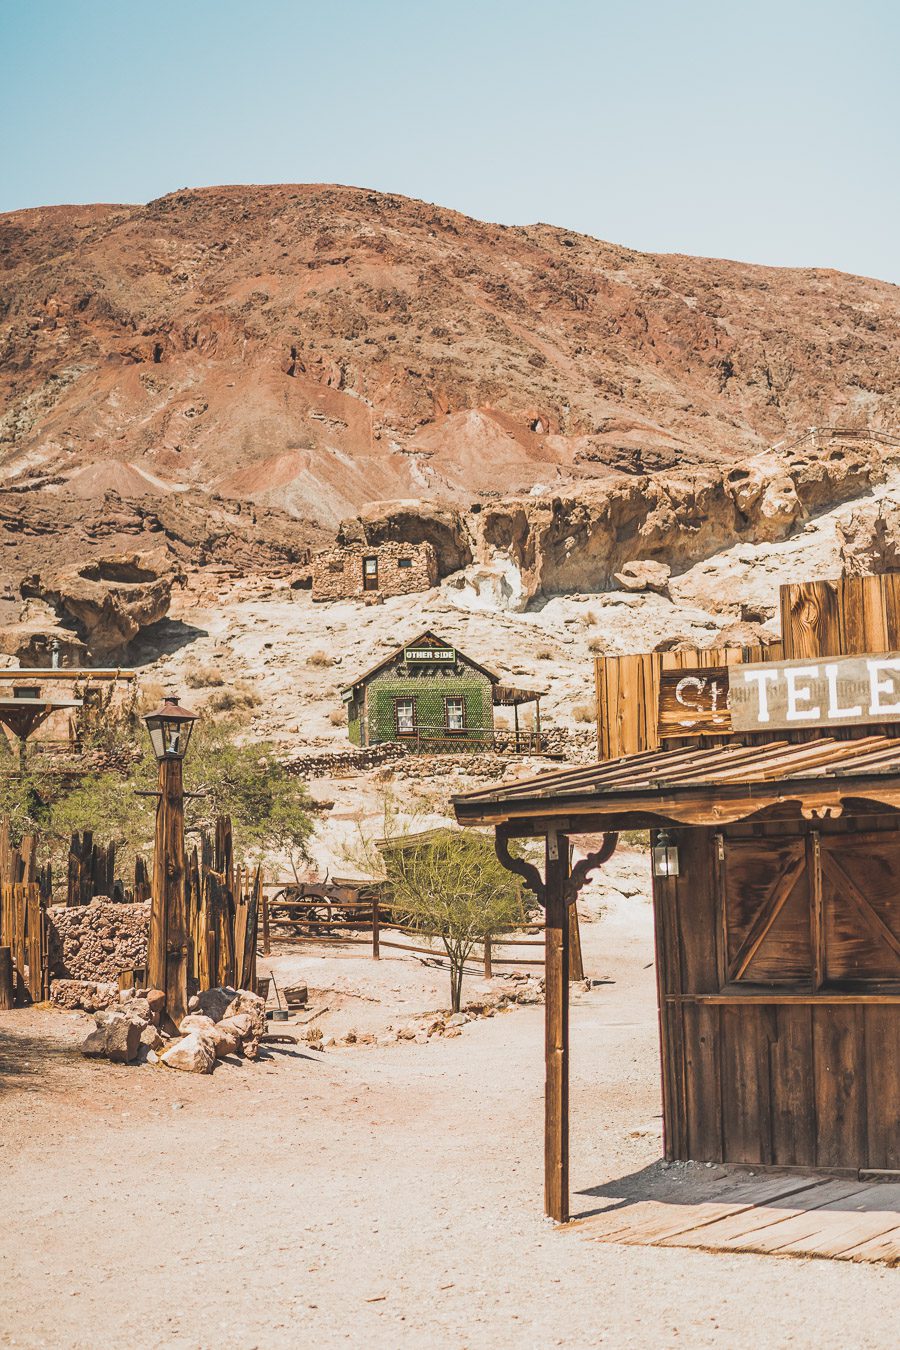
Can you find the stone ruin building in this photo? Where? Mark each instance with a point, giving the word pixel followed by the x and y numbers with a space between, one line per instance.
pixel 358 571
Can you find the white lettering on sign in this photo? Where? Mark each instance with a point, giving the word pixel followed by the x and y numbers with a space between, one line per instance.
pixel 839 692
pixel 801 693
pixel 762 677
pixel 881 686
pixel 835 711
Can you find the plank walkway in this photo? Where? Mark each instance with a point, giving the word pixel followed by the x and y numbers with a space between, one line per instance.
pixel 785 1216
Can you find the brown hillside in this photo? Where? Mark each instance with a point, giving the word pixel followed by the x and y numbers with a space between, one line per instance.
pixel 314 348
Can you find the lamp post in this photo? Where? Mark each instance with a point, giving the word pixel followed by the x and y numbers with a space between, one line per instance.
pixel 170 730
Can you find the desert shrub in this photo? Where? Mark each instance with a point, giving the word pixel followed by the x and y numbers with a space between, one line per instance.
pixel 238 697
pixel 337 717
pixel 545 654
pixel 636 839
pixel 585 712
pixel 321 660
pixel 590 618
pixel 204 677
pixel 597 646
pixel 151 694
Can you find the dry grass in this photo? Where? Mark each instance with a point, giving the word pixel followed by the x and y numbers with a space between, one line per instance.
pixel 321 660
pixel 545 654
pixel 590 619
pixel 151 695
pixel 203 677
pixel 239 697
pixel 585 712
pixel 337 717
pixel 597 646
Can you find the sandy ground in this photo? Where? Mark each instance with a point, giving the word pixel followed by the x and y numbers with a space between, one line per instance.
pixel 376 1196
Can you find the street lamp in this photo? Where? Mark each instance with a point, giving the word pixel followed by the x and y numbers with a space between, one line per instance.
pixel 168 953
pixel 170 729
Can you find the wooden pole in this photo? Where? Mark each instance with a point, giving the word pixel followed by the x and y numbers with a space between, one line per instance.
pixel 516 720
pixel 167 959
pixel 376 931
pixel 537 724
pixel 488 970
pixel 7 986
pixel 576 962
pixel 556 996
pixel 266 935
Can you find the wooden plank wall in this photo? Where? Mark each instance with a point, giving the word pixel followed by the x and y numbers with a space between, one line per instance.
pixel 767 1080
pixel 627 694
pixel 841 617
pixel 24 894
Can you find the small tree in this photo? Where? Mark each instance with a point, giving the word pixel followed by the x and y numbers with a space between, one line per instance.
pixel 450 883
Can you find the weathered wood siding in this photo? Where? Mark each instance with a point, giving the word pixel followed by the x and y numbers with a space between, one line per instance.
pixel 796 1062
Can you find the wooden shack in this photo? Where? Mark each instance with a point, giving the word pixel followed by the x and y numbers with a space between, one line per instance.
pixel 776 888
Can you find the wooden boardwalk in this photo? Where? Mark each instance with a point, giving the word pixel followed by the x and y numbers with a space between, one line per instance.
pixel 778 1215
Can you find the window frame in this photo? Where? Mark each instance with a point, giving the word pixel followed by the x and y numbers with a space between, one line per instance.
pixel 413 703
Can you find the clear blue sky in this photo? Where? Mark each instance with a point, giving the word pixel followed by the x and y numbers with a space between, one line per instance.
pixel 745 128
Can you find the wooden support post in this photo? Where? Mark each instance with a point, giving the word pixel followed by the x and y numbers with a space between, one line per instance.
pixel 167 959
pixel 488 970
pixel 7 984
pixel 516 720
pixel 266 935
pixel 376 931
pixel 556 996
pixel 576 963
pixel 537 725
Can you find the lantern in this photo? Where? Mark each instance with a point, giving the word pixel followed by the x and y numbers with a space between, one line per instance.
pixel 665 855
pixel 170 729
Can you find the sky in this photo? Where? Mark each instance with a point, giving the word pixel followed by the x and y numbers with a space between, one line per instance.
pixel 746 129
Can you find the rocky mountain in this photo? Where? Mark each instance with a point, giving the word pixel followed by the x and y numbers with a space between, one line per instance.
pixel 315 348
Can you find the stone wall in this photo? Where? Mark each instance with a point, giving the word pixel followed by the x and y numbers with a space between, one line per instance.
pixel 403 569
pixel 97 941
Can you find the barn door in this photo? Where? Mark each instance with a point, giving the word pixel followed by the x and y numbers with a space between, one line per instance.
pixel 765 904
pixel 860 938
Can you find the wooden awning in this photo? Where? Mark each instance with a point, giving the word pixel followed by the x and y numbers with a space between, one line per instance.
pixel 510 695
pixel 691 786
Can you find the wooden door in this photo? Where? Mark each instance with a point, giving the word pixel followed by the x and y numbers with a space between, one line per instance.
pixel 370 574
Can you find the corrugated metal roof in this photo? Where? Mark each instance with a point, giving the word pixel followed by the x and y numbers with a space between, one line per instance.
pixel 683 771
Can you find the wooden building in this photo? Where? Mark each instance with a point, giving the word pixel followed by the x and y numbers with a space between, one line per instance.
pixel 429 693
pixel 775 831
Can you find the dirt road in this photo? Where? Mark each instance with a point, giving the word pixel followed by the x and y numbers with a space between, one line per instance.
pixel 383 1197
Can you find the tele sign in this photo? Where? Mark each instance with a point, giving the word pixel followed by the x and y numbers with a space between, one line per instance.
pixel 836 691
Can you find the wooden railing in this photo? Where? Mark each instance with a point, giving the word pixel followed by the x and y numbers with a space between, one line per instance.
pixel 370 924
pixel 500 740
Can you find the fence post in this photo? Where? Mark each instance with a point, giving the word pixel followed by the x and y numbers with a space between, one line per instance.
pixel 376 920
pixel 488 972
pixel 7 984
pixel 266 942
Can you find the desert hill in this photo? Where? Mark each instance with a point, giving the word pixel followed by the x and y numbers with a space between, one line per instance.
pixel 314 348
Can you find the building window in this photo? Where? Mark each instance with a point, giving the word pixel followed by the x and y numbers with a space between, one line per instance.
pixel 455 714
pixel 27 691
pixel 404 562
pixel 370 574
pixel 405 715
pixel 336 565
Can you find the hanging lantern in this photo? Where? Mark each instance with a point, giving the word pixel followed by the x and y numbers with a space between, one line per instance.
pixel 665 855
pixel 170 729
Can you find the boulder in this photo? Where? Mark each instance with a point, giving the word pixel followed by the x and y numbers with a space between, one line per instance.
pixel 252 1006
pixel 214 1002
pixel 111 598
pixel 645 576
pixel 94 1044
pixel 152 1038
pixel 869 539
pixel 194 1053
pixel 226 1040
pixel 196 1022
pixel 123 1036
pixel 157 1001
pixel 458 1019
pixel 240 1023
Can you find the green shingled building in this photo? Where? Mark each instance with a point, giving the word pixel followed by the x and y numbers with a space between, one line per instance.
pixel 426 691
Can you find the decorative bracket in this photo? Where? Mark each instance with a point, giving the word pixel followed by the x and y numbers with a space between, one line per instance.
pixel 582 870
pixel 532 877
pixel 526 870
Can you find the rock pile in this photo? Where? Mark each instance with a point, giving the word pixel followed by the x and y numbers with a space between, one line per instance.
pixel 95 942
pixel 221 1022
pixel 524 989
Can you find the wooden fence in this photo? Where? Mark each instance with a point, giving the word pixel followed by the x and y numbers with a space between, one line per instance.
pixel 224 903
pixel 24 895
pixel 331 915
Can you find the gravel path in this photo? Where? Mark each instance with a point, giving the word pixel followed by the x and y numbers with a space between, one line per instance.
pixel 374 1197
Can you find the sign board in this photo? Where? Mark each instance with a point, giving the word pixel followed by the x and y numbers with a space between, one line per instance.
pixel 430 654
pixel 694 702
pixel 836 691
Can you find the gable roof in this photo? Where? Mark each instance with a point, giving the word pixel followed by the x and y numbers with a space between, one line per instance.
pixel 428 636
